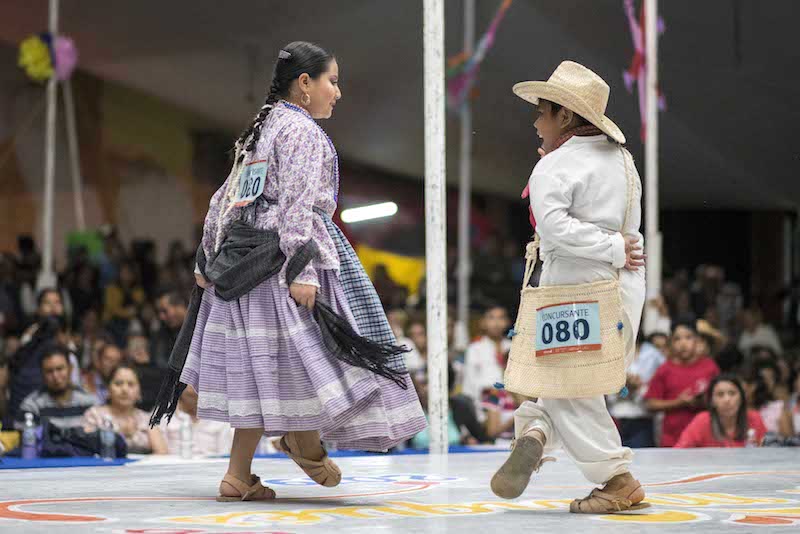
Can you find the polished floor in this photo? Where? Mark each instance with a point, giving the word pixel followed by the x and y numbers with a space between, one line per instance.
pixel 703 490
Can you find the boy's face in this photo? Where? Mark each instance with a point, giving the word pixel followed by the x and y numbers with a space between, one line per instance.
pixel 496 323
pixel 683 344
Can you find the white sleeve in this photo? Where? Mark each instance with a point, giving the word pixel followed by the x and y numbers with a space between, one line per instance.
pixel 551 201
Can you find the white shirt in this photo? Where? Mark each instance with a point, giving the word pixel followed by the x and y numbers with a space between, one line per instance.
pixel 481 367
pixel 644 366
pixel 579 198
pixel 764 336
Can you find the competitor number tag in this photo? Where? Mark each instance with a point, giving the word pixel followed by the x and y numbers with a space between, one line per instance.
pixel 251 183
pixel 568 327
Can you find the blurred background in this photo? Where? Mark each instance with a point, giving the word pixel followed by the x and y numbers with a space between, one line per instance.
pixel 162 89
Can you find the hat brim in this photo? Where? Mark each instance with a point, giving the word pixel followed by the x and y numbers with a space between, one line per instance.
pixel 534 91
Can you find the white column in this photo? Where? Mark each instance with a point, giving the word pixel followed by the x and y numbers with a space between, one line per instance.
pixel 465 194
pixel 435 245
pixel 652 232
pixel 74 155
pixel 47 277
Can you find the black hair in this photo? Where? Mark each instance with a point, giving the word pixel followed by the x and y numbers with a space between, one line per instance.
pixel 741 413
pixel 54 350
pixel 174 297
pixel 555 108
pixel 119 368
pixel 295 59
pixel 654 335
pixel 761 393
pixel 44 292
pixel 691 325
pixel 494 306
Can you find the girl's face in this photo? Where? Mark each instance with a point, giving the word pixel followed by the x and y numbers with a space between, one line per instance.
pixel 123 391
pixel 726 399
pixel 324 91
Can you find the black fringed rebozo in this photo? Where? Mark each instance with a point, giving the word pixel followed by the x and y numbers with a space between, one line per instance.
pixel 167 399
pixel 349 347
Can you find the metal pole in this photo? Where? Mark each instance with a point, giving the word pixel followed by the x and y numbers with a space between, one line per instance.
pixel 464 194
pixel 653 234
pixel 435 236
pixel 74 155
pixel 47 276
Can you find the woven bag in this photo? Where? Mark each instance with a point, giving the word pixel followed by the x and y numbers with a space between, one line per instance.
pixel 570 341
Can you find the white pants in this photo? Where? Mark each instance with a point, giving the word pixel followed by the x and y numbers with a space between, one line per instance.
pixel 583 427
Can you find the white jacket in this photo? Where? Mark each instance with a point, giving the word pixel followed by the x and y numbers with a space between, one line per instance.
pixel 578 196
pixel 481 368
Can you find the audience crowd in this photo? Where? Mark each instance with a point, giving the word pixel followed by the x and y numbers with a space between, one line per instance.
pixel 87 355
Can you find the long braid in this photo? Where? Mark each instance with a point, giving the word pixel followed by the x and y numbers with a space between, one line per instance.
pixel 253 132
pixel 293 60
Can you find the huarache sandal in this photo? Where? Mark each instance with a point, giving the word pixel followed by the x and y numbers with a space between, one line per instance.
pixel 256 491
pixel 324 472
pixel 609 501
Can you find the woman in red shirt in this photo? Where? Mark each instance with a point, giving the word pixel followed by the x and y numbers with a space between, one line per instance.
pixel 728 422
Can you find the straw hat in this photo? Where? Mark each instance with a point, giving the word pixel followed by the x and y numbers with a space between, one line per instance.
pixel 578 89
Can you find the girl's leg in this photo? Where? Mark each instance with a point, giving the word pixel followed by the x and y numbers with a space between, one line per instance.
pixel 245 442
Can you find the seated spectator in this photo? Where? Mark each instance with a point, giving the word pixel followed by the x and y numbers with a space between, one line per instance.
pixel 485 359
pixel 757 334
pixel 138 353
pixel 417 360
pixel 398 319
pixel 655 318
pixel 4 379
pixel 25 372
pixel 660 341
pixel 129 421
pixel 635 422
pixel 729 359
pixel 60 402
pixel 679 385
pixel 792 428
pixel 122 301
pixel 171 306
pixel 710 341
pixel 727 421
pixel 95 380
pixel 422 440
pixel 208 437
pixel 760 396
pixel 498 407
pixel 87 336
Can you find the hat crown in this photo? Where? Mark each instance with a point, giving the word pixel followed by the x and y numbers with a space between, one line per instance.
pixel 583 83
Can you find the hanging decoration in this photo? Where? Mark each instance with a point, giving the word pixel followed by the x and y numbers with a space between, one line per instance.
pixel 462 69
pixel 636 74
pixel 42 57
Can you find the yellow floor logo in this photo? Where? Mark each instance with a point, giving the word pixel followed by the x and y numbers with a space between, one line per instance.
pixel 406 509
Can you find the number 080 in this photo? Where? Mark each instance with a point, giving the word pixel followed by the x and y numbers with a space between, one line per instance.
pixel 561 332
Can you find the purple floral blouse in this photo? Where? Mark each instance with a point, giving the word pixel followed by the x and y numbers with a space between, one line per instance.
pixel 302 173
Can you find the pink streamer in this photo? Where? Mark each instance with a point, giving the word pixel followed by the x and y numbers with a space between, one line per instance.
pixel 66 57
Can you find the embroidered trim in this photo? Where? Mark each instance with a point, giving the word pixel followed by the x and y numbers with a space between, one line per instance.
pixel 269 333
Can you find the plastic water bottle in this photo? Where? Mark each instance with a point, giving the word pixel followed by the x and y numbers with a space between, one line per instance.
pixel 29 438
pixel 751 438
pixel 108 438
pixel 186 438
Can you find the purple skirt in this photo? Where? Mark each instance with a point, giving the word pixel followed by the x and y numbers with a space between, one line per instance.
pixel 260 362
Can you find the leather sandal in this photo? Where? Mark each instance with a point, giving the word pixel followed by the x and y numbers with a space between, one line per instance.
pixel 515 474
pixel 605 501
pixel 324 472
pixel 256 491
